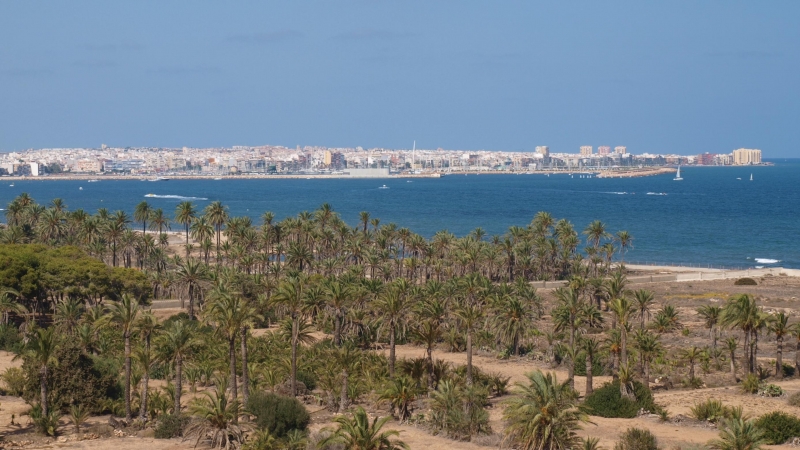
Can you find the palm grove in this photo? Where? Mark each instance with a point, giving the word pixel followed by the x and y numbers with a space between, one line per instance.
pixel 336 300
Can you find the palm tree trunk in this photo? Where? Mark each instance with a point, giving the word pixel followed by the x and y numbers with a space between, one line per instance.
pixel 746 349
pixel 337 329
pixel 43 388
pixel 245 369
pixel 143 404
pixel 128 413
pixel 733 366
pixel 797 357
pixel 469 358
pixel 589 374
pixel 232 358
pixel 294 357
pixel 343 398
pixel 393 356
pixel 646 373
pixel 754 351
pixel 429 350
pixel 779 359
pixel 178 385
pixel 624 345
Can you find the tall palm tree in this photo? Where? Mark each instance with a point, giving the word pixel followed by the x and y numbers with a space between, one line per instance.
pixel 290 297
pixel 544 415
pixel 732 344
pixel 393 306
pixel 338 294
pixel 469 316
pixel 779 326
pixel 175 344
pixel 591 350
pixel 358 433
pixel 217 214
pixel 147 326
pixel 159 221
pixel 711 315
pixel 649 347
pixel 227 312
pixel 742 312
pixel 625 242
pixel 622 309
pixel 41 349
pixel 124 313
pixel 142 214
pixel 192 274
pixel 643 303
pixel 691 355
pixel 185 213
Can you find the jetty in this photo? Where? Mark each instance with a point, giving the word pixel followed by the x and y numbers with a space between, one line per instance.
pixel 634 173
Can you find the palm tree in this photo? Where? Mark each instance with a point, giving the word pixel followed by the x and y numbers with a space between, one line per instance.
pixel 649 347
pixel 191 274
pixel 175 344
pixel 184 215
pixel 142 214
pixel 739 434
pixel 7 305
pixel 470 316
pixel 622 308
pixel 400 392
pixel 544 415
pixel 625 242
pixel 216 420
pixel 779 326
pixel 217 215
pixel 290 297
pixel 643 302
pixel 227 312
pixel 591 349
pixel 691 355
pixel 124 314
pixel 711 315
pixel 393 306
pixel 338 294
pixel 742 312
pixel 41 349
pixel 359 434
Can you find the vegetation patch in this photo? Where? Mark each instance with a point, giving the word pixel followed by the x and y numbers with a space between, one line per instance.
pixel 779 427
pixel 745 282
pixel 607 401
pixel 277 414
pixel 637 439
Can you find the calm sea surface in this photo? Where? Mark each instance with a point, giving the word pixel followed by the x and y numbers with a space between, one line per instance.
pixel 712 217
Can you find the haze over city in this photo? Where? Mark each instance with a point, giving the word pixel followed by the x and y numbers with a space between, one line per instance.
pixel 678 78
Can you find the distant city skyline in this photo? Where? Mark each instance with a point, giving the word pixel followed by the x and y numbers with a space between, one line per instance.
pixel 667 78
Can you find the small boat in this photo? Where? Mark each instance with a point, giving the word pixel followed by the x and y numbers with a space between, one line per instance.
pixel 92 181
pixel 150 195
pixel 80 188
pixel 217 179
pixel 678 175
pixel 159 179
pixel 11 185
pixel 738 178
pixel 384 187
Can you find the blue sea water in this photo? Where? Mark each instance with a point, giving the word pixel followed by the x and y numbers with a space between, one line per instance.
pixel 710 218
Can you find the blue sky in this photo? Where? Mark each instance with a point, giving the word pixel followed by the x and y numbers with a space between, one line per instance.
pixel 671 77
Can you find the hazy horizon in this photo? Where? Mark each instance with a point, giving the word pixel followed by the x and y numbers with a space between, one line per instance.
pixel 676 78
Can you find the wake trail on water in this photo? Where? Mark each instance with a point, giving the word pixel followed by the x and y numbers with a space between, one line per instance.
pixel 767 261
pixel 177 197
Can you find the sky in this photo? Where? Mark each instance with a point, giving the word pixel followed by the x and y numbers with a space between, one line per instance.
pixel 682 77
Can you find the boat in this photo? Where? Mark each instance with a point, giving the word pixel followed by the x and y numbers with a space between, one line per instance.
pixel 11 185
pixel 159 179
pixel 150 195
pixel 751 177
pixel 92 181
pixel 678 175
pixel 80 188
pixel 217 179
pixel 656 193
pixel 738 178
pixel 384 187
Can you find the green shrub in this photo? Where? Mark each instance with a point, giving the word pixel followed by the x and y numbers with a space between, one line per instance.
pixel 307 378
pixel 637 439
pixel 750 383
pixel 770 390
pixel 47 425
pixel 794 399
pixel 608 402
pixel 277 413
pixel 10 339
pixel 779 427
pixel 711 410
pixel 78 378
pixel 788 370
pixel 170 426
pixel 14 378
pixel 598 366
pixel 745 282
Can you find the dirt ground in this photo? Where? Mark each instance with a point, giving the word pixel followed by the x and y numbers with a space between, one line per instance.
pixel 774 293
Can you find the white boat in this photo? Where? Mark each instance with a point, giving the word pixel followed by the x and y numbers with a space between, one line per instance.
pixel 80 188
pixel 150 195
pixel 11 185
pixel 751 177
pixel 678 175
pixel 159 179
pixel 384 187
pixel 738 178
pixel 92 181
pixel 217 179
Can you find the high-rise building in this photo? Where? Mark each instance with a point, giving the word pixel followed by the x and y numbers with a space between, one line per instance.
pixel 586 150
pixel 327 157
pixel 603 150
pixel 620 150
pixel 543 150
pixel 745 156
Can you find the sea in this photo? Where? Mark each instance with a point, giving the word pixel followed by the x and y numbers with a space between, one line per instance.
pixel 715 217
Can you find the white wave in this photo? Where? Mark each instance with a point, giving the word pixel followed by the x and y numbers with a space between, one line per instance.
pixel 616 193
pixel 656 193
pixel 177 197
pixel 767 261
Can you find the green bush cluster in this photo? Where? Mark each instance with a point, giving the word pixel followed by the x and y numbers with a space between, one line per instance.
pixel 745 282
pixel 711 410
pixel 637 439
pixel 14 379
pixel 10 338
pixel 779 427
pixel 607 401
pixel 770 390
pixel 170 426
pixel 277 414
pixel 750 383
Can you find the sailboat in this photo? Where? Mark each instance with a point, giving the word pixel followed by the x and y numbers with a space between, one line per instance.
pixel 751 177
pixel 678 175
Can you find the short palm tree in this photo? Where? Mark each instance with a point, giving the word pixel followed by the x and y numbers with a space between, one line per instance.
pixel 779 326
pixel 41 348
pixel 216 420
pixel 691 355
pixel 643 303
pixel 358 433
pixel 544 415
pixel 400 392
pixel 739 434
pixel 174 345
pixel 124 314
